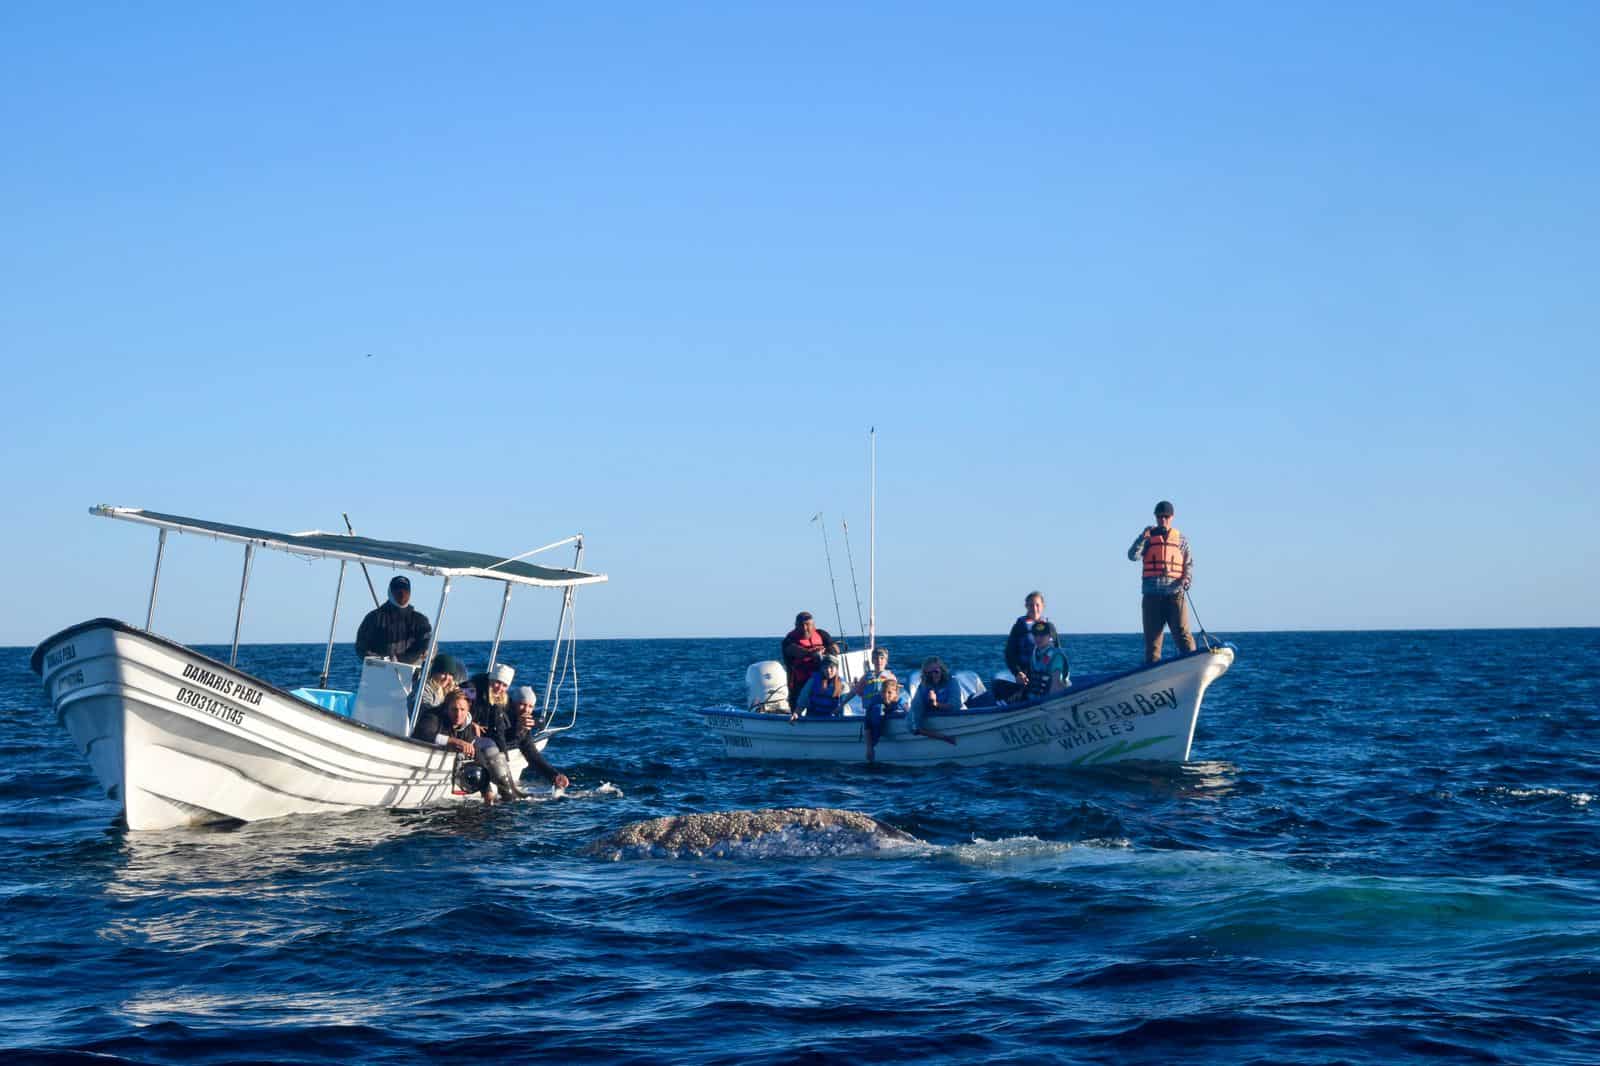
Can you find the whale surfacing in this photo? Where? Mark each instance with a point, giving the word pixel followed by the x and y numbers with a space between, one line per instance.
pixel 789 831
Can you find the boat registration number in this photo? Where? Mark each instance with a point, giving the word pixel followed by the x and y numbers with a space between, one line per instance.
pixel 200 701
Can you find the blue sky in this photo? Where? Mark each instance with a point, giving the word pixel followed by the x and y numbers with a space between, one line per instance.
pixel 1324 276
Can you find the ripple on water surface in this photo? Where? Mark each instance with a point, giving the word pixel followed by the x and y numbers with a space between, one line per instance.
pixel 1385 849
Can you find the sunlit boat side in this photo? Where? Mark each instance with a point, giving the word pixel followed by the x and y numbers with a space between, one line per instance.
pixel 1145 714
pixel 180 738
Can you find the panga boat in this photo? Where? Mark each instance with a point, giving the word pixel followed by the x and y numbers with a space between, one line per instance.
pixel 1145 714
pixel 180 738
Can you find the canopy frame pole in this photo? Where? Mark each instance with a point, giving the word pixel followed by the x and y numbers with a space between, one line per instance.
pixel 427 660
pixel 327 659
pixel 535 551
pixel 494 649
pixel 155 581
pixel 561 623
pixel 244 586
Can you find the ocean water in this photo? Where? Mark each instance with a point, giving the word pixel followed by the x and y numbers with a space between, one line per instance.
pixel 1387 848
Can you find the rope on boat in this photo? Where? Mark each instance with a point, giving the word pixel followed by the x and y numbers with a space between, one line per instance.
pixel 1210 645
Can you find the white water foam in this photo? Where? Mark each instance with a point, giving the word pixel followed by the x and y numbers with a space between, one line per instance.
pixel 1578 799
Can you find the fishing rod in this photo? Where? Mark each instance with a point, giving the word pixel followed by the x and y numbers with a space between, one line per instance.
pixel 828 554
pixel 861 626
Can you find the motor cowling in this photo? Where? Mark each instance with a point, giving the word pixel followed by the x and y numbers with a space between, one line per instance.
pixel 766 688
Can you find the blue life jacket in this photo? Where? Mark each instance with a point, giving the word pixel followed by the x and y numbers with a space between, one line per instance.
pixel 823 703
pixel 1042 671
pixel 1024 645
pixel 873 700
pixel 873 684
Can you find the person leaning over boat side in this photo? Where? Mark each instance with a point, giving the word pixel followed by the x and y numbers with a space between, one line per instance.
pixel 491 708
pixel 511 723
pixel 939 693
pixel 395 630
pixel 1168 569
pixel 824 695
pixel 802 651
pixel 1048 670
pixel 451 726
pixel 1019 646
pixel 879 703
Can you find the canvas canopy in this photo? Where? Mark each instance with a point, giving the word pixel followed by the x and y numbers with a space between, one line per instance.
pixel 442 562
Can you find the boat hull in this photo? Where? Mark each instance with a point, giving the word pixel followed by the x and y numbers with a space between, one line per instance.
pixel 181 739
pixel 1147 714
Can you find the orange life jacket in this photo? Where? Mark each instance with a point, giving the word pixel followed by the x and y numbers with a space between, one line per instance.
pixel 1163 555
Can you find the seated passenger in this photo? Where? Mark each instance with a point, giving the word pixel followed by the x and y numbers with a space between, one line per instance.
pixel 1019 645
pixel 445 676
pixel 939 694
pixel 512 726
pixel 874 678
pixel 882 701
pixel 1047 670
pixel 802 648
pixel 451 726
pixel 491 711
pixel 823 696
pixel 490 693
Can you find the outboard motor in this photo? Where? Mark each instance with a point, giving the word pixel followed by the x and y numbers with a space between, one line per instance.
pixel 766 688
pixel 971 684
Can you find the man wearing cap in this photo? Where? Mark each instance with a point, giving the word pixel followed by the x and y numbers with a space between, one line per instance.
pixel 1168 569
pixel 396 630
pixel 802 652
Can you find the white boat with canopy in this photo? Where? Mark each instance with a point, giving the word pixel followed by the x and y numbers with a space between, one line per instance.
pixel 1145 714
pixel 180 738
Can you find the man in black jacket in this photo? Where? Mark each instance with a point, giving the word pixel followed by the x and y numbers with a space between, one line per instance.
pixel 396 630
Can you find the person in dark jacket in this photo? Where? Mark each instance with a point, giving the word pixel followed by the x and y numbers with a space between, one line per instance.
pixel 1019 647
pixel 508 717
pixel 445 676
pixel 396 630
pixel 515 729
pixel 451 726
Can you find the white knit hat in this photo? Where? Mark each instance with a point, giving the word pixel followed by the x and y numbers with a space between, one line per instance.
pixel 525 694
pixel 502 673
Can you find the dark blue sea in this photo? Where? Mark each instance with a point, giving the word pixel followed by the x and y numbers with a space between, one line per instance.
pixel 1386 850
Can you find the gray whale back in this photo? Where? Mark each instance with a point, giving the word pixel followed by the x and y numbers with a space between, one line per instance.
pixel 784 831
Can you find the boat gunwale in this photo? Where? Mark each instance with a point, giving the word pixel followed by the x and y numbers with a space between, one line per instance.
pixel 36 660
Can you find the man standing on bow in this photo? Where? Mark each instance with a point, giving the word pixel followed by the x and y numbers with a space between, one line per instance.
pixel 1168 569
pixel 396 630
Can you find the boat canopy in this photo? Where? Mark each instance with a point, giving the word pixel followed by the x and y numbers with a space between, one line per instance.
pixel 442 562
